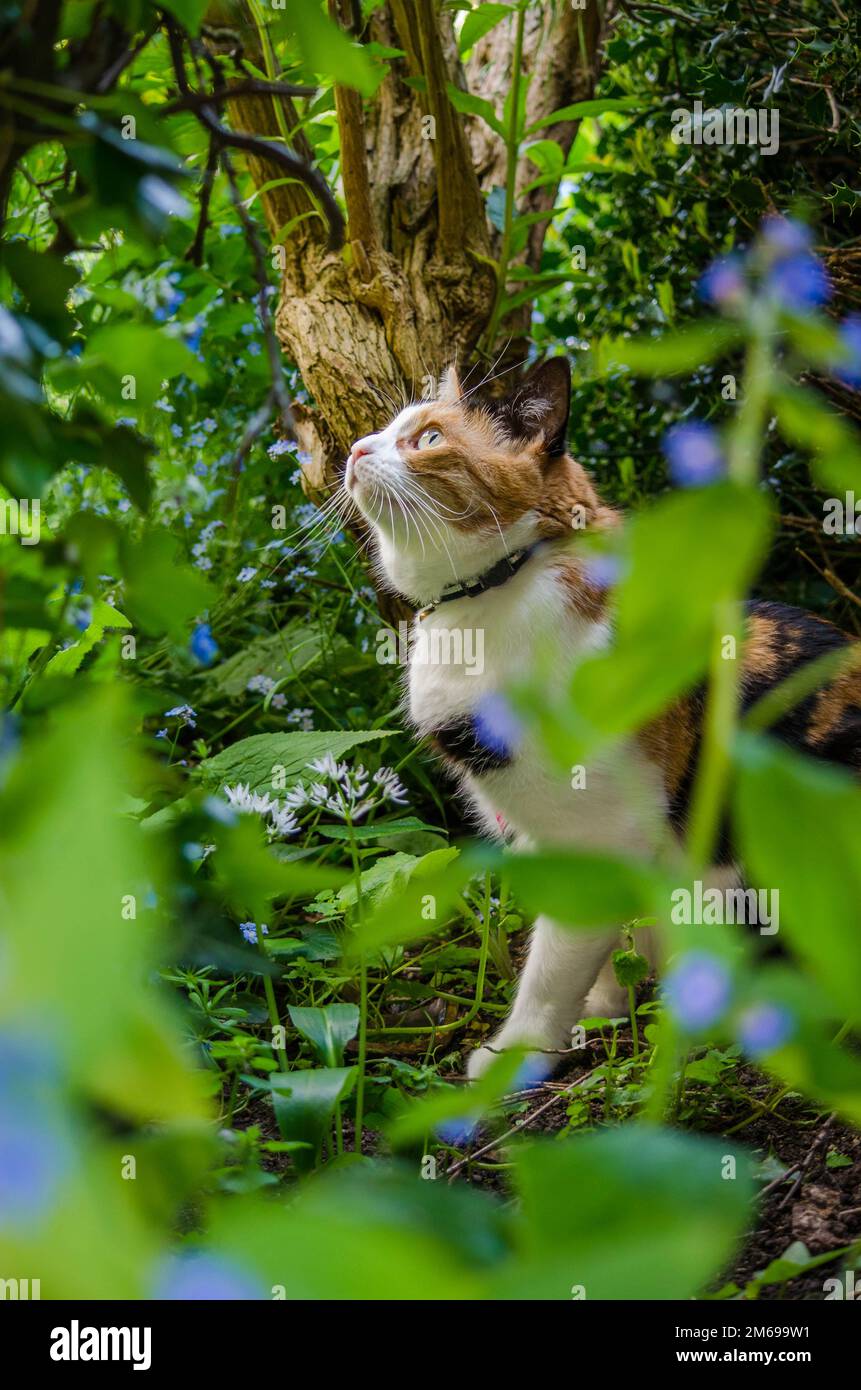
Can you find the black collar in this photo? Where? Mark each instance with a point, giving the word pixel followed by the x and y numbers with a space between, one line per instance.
pixel 491 579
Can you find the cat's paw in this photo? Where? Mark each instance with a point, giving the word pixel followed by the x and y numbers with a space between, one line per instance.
pixel 534 1065
pixel 606 1001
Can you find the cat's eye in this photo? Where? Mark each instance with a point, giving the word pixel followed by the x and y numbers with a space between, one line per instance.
pixel 428 438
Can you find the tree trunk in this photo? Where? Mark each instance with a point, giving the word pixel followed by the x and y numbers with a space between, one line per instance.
pixel 414 287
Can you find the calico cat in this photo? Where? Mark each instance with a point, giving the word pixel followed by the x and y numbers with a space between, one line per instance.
pixel 470 502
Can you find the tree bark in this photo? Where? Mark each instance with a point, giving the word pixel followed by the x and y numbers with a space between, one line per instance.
pixel 414 286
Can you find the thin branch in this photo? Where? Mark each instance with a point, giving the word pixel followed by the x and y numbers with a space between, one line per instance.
pixel 273 349
pixel 112 74
pixel 253 87
pixel 195 250
pixel 271 150
pixel 516 1128
pixel 363 230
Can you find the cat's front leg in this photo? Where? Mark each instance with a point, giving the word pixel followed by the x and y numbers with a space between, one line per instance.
pixel 560 970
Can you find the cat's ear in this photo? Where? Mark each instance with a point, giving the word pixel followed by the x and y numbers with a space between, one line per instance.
pixel 541 405
pixel 450 390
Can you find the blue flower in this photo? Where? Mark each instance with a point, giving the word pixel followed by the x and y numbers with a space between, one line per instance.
pixel 33 1160
pixel 723 283
pixel 849 372
pixel 763 1028
pixel 799 283
pixel 457 1132
pixel 249 931
pixel 697 990
pixel 205 1278
pixel 496 726
pixel 602 571
pixel 183 712
pixel 203 646
pixel 219 810
pixel 535 1068
pixel 783 236
pixel 693 453
pixel 246 573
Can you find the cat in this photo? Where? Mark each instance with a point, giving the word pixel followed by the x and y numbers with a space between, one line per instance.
pixel 470 503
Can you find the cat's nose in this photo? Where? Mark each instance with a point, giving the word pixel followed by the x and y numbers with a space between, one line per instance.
pixel 363 447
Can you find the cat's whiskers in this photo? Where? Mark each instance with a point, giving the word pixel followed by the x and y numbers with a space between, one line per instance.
pixel 408 512
pixel 330 518
pixel 498 527
pixel 489 379
pixel 440 534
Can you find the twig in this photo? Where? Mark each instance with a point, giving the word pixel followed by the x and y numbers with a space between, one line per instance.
pixel 255 427
pixel 254 86
pixel 831 578
pixel 195 250
pixel 271 150
pixel 273 349
pixel 811 1154
pixel 519 1126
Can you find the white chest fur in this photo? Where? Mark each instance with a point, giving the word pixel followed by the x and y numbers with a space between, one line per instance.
pixel 501 636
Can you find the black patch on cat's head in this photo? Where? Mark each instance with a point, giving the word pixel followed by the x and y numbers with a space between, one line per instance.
pixel 540 404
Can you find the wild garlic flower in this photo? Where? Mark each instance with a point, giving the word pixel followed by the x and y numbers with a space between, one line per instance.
pixel 280 822
pixel 350 793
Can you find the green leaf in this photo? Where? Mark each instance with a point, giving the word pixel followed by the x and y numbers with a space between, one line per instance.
pixel 189 12
pixel 103 619
pixel 272 762
pixel 629 967
pixel 479 22
pixel 250 876
pixel 162 593
pixel 622 1212
pixel 282 656
pixel 379 830
pixel 714 537
pixel 136 356
pixel 470 105
pixel 305 1103
pixel 799 826
pixel 46 281
pixel 429 894
pixel 807 421
pixel 580 890
pixel 327 50
pixel 547 156
pixel 392 873
pixel 670 354
pixel 421 1117
pixel 328 1029
pixel 579 109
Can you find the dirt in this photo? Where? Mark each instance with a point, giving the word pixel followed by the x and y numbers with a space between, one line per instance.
pixel 811 1202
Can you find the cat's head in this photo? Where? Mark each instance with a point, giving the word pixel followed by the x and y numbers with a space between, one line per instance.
pixel 452 485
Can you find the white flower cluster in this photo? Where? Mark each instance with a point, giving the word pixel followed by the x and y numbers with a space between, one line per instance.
pixel 348 793
pixel 281 822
